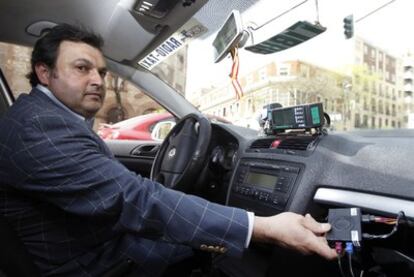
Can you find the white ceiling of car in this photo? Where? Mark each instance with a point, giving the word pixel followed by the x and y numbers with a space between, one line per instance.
pixel 125 38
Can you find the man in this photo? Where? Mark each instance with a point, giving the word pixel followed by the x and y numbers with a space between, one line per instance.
pixel 79 211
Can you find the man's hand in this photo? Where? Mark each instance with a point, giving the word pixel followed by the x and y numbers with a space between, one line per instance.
pixel 294 231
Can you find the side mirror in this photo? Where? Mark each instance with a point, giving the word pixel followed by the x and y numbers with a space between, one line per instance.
pixel 161 130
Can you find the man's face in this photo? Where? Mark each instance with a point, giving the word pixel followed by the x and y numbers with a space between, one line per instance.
pixel 78 78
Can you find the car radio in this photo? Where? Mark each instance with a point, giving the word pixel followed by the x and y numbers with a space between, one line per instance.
pixel 263 187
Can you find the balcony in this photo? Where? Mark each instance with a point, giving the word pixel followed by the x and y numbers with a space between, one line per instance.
pixel 408 88
pixel 408 75
pixel 408 63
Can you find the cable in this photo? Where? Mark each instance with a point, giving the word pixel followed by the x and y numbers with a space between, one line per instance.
pixel 317 11
pixel 367 218
pixel 276 17
pixel 404 256
pixel 350 264
pixel 340 266
pixel 384 236
pixel 407 222
pixel 339 252
pixel 374 11
pixel 349 249
pixel 378 219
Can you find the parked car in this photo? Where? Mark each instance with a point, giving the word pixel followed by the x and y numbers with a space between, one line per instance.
pixel 153 126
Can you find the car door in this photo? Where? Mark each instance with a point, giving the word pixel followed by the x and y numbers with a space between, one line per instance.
pixel 136 155
pixel 137 152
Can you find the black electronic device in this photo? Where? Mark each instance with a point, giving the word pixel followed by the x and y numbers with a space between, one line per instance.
pixel 263 187
pixel 305 116
pixel 229 35
pixel 346 226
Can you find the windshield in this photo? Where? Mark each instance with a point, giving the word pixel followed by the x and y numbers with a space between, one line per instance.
pixel 360 68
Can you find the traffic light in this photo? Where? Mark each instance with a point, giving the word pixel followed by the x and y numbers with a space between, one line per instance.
pixel 349 26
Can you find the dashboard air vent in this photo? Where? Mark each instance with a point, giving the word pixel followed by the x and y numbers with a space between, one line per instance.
pixel 301 143
pixel 261 143
pixel 297 143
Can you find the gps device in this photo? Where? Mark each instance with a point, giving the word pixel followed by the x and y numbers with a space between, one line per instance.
pixel 228 36
pixel 297 117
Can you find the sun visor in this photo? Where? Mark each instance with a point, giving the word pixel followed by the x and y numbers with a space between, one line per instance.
pixel 189 31
pixel 124 46
pixel 164 19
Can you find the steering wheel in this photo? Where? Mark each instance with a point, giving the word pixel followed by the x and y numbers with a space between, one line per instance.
pixel 182 153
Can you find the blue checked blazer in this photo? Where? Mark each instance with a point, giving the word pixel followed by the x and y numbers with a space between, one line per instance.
pixel 78 210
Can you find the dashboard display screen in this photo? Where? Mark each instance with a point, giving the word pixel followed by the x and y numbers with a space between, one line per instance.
pixel 297 117
pixel 262 180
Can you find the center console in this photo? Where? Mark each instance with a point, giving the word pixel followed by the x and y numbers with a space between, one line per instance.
pixel 263 186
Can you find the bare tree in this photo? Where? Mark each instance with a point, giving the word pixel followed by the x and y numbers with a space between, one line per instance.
pixel 310 89
pixel 117 85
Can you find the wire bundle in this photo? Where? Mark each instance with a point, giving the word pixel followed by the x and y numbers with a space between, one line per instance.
pixel 385 220
pixel 349 250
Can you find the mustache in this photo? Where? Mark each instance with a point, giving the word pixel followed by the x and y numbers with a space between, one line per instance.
pixel 100 92
pixel 95 90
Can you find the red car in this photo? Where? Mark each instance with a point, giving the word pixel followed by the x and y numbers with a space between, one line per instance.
pixel 152 126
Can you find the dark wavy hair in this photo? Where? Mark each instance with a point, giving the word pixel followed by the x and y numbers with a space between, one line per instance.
pixel 46 48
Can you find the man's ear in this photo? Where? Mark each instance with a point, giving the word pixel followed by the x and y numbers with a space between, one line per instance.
pixel 43 73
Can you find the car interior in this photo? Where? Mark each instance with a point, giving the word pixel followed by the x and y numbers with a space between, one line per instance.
pixel 354 179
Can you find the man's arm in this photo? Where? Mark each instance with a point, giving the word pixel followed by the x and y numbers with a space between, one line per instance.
pixel 60 163
pixel 65 167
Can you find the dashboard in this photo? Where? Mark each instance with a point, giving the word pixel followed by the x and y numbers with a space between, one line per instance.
pixel 368 169
pixel 371 170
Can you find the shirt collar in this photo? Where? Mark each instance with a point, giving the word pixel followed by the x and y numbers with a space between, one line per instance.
pixel 46 91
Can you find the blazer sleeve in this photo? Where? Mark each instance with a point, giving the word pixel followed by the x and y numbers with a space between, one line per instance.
pixel 61 163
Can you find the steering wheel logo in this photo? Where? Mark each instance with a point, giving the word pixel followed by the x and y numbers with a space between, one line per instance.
pixel 171 153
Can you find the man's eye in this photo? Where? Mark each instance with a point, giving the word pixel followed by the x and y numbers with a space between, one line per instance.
pixel 82 68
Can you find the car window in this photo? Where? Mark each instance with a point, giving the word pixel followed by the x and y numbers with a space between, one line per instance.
pixel 128 111
pixel 15 63
pixel 126 107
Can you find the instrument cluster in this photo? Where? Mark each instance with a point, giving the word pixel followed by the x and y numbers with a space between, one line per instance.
pixel 224 156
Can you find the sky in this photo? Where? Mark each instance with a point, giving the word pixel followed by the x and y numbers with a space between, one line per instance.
pixel 391 28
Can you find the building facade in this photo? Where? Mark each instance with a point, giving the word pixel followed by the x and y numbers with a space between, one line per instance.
pixel 377 88
pixel 375 91
pixel 408 89
pixel 287 83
